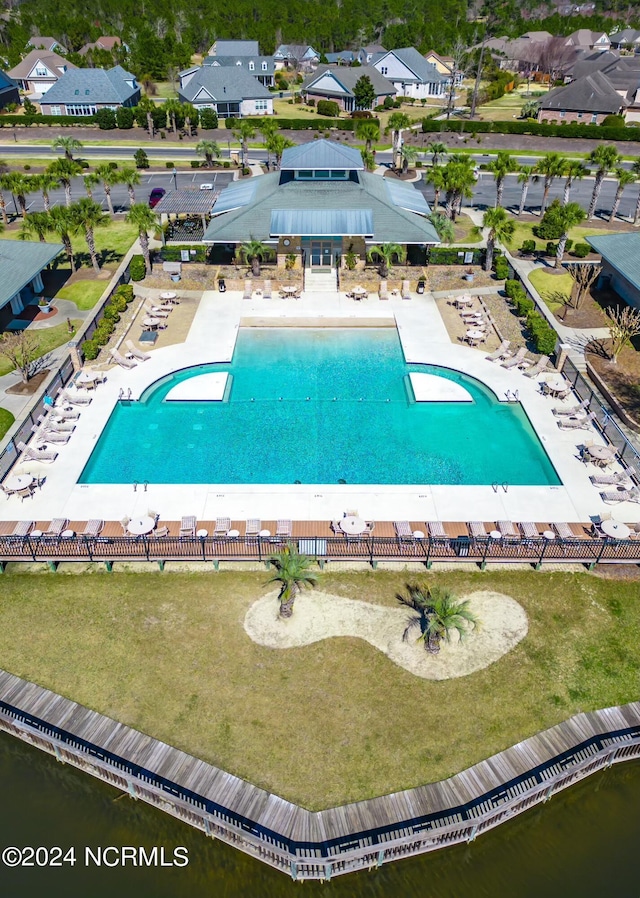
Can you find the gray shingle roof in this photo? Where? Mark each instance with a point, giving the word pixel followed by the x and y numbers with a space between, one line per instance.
pixel 236 48
pixel 348 78
pixel 321 154
pixel 425 72
pixel 296 51
pixel 593 93
pixel 92 86
pixel 20 262
pixel 225 84
pixel 243 61
pixel 622 252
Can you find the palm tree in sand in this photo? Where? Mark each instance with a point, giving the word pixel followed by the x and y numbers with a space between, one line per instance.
pixel 437 614
pixel 89 216
pixel 144 219
pixel 255 252
pixel 293 574
pixel 385 253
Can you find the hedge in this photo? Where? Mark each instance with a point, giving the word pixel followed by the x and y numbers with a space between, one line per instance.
pixel 442 255
pixel 574 129
pixel 39 119
pixel 304 124
pixel 172 253
pixel 543 334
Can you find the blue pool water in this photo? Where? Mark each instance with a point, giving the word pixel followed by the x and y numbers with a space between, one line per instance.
pixel 319 406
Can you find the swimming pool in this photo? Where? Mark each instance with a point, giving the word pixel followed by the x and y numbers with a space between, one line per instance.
pixel 319 406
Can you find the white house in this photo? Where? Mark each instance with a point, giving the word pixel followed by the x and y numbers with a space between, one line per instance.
pixel 39 71
pixel 231 90
pixel 411 74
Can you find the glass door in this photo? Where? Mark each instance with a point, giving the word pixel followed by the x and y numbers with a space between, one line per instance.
pixel 321 253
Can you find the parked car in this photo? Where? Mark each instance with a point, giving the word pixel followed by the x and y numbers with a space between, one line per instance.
pixel 206 186
pixel 155 196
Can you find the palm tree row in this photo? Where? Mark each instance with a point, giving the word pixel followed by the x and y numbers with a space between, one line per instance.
pixel 65 222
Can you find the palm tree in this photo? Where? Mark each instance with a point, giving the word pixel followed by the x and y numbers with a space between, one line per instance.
pixel 385 253
pixel 88 216
pixel 501 166
pixel 208 149
pixel 569 216
pixel 255 252
pixel 64 170
pixel 45 182
pixel 437 615
pixel 244 132
pixel 268 129
pixel 19 185
pixel 131 177
pixel 604 157
pixel 409 154
pixel 35 225
pixel 109 176
pixel 68 144
pixel 551 166
pixel 437 149
pixel 3 202
pixel 277 145
pixel 635 168
pixel 624 177
pixel 143 218
pixel 172 107
pixel 443 226
pixel 524 177
pixel 459 180
pixel 368 131
pixel 292 573
pixel 501 230
pixel 574 170
pixel 64 225
pixel 369 159
pixel 435 177
pixel 90 181
pixel 398 122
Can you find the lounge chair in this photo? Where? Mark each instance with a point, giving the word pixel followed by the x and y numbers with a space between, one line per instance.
pixel 516 360
pixel 60 415
pixel 29 454
pixel 266 290
pixel 73 399
pixel 188 526
pixel 93 527
pixel 135 352
pixel 383 291
pixel 121 360
pixel 157 311
pixel 576 423
pixel 539 366
pixel 404 533
pixel 563 530
pixel 49 424
pixel 248 289
pixel 436 529
pixel 477 530
pixel 528 530
pixel 506 528
pixel 22 528
pixel 50 436
pixel 613 479
pixel 56 527
pixel 223 526
pixel 405 292
pixel 571 411
pixel 614 496
pixel 284 527
pixel 502 352
pixel 252 528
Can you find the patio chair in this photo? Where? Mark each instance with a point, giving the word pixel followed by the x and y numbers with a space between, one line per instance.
pixel 383 291
pixel 157 311
pixel 613 497
pixel 266 290
pixel 135 352
pixel 506 528
pixel 563 530
pixel 56 527
pixel 477 530
pixel 539 366
pixel 528 530
pixel 223 526
pixel 22 528
pixel 50 436
pixel 121 360
pixel 613 479
pixel 284 528
pixel 405 291
pixel 252 527
pixel 59 415
pixel 248 289
pixel 93 527
pixel 404 533
pixel 26 493
pixel 351 513
pixel 571 411
pixel 160 533
pixel 337 529
pixel 154 515
pixel 516 360
pixel 436 529
pixel 576 423
pixel 29 454
pixel 124 523
pixel 188 526
pixel 502 352
pixel 74 399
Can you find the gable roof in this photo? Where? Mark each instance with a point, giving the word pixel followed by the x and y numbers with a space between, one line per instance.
pixel 425 72
pixel 622 252
pixel 296 51
pixel 583 37
pixel 226 84
pixel 103 43
pixel 55 63
pixel 6 83
pixel 235 48
pixel 321 154
pixel 348 77
pixel 20 262
pixel 242 61
pixel 93 86
pixel 592 93
pixel 47 43
pixel 626 36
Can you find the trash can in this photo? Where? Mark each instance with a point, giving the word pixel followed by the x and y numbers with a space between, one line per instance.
pixel 222 286
pixel 420 287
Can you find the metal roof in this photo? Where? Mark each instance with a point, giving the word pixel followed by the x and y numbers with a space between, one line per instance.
pixel 20 262
pixel 323 155
pixel 407 197
pixel 322 222
pixel 92 86
pixel 622 252
pixel 177 202
pixel 236 195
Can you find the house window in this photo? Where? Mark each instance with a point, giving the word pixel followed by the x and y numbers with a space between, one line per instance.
pixel 56 110
pixel 384 70
pixel 264 67
pixel 562 113
pixel 41 72
pixel 579 116
pixel 261 105
pixel 81 109
pixel 251 66
pixel 594 119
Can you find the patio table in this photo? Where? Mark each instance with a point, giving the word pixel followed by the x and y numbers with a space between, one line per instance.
pixel 18 482
pixel 151 322
pixel 615 529
pixel 140 526
pixel 352 525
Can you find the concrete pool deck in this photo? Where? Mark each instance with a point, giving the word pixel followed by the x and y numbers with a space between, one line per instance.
pixel 212 338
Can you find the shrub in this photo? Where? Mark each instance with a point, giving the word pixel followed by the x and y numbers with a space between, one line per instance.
pixel 124 118
pixel 169 165
pixel 90 350
pixel 111 312
pixel 512 287
pixel 119 303
pixel 581 250
pixel 543 334
pixel 230 123
pixel 113 166
pixel 361 113
pixel 551 248
pixel 141 159
pixel 226 164
pixel 208 119
pixel 106 119
pixel 106 326
pixel 528 246
pixel 501 268
pixel 125 291
pixel 137 268
pixel 329 108
pixel 613 121
pixel 100 338
pixel 311 101
pixel 27 167
pixel 195 163
pixel 551 224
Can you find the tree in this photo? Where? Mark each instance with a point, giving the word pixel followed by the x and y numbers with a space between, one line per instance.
pixel 584 275
pixel 172 108
pixel 369 160
pixel 268 129
pixel 19 185
pixel 501 230
pixel 141 158
pixel 435 177
pixel 552 223
pixel 143 218
pixel 385 253
pixel 21 349
pixel 458 55
pixel 64 225
pixel 530 109
pixel 624 177
pixel 364 93
pixel 293 574
pixel 209 149
pixel 368 131
pixel 130 177
pixel 88 216
pixel 65 170
pixel 574 170
pixel 108 176
pixel 444 227
pixel 625 324
pixel 244 132
pixel 68 144
pixel 501 166
pixel 524 177
pixel 255 252
pixel 604 158
pixel 408 154
pixel 35 225
pixel 3 202
pixel 46 182
pixel 551 166
pixel 277 145
pixel 208 119
pixel 398 122
pixel 437 150
pixel 571 215
pixel 459 180
pixel 437 614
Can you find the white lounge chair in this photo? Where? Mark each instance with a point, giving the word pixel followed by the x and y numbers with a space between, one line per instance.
pixel 121 360
pixel 612 479
pixel 22 528
pixel 576 423
pixel 158 311
pixel 50 436
pixel 93 527
pixel 284 527
pixel 223 526
pixel 253 527
pixel 383 290
pixel 60 415
pixel 528 530
pixel 188 526
pixel 477 530
pixel 248 289
pixel 404 532
pixel 539 366
pixel 266 290
pixel 135 352
pixel 405 292
pixel 614 496
pixel 563 530
pixel 506 528
pixel 502 352
pixel 67 398
pixel 517 360
pixel 436 529
pixel 571 411
pixel 30 454
pixel 56 527
pixel 48 424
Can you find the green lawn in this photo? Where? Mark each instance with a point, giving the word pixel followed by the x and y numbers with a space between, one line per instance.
pixel 84 293
pixel 555 289
pixel 48 338
pixel 331 722
pixel 6 420
pixel 524 232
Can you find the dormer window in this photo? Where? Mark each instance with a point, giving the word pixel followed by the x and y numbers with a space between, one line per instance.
pixel 251 66
pixel 264 67
pixel 238 62
pixel 76 92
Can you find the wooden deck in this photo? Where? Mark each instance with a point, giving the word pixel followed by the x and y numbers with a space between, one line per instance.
pixel 338 840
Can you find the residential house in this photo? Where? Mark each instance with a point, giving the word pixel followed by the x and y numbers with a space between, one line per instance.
pixel 39 71
pixel 319 206
pixel 230 90
pixel 261 67
pixel 84 91
pixel 588 100
pixel 46 43
pixel 411 74
pixel 584 39
pixel 445 65
pixel 628 39
pixel 234 48
pixel 363 56
pixel 103 43
pixel 338 83
pixel 22 263
pixel 292 56
pixel 8 90
pixel 522 53
pixel 620 265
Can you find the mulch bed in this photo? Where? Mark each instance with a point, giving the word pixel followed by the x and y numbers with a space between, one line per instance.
pixel 622 377
pixel 31 386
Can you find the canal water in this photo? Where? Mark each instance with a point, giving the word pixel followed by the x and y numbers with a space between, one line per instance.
pixel 584 843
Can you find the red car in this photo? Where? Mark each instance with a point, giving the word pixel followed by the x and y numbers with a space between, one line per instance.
pixel 155 196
